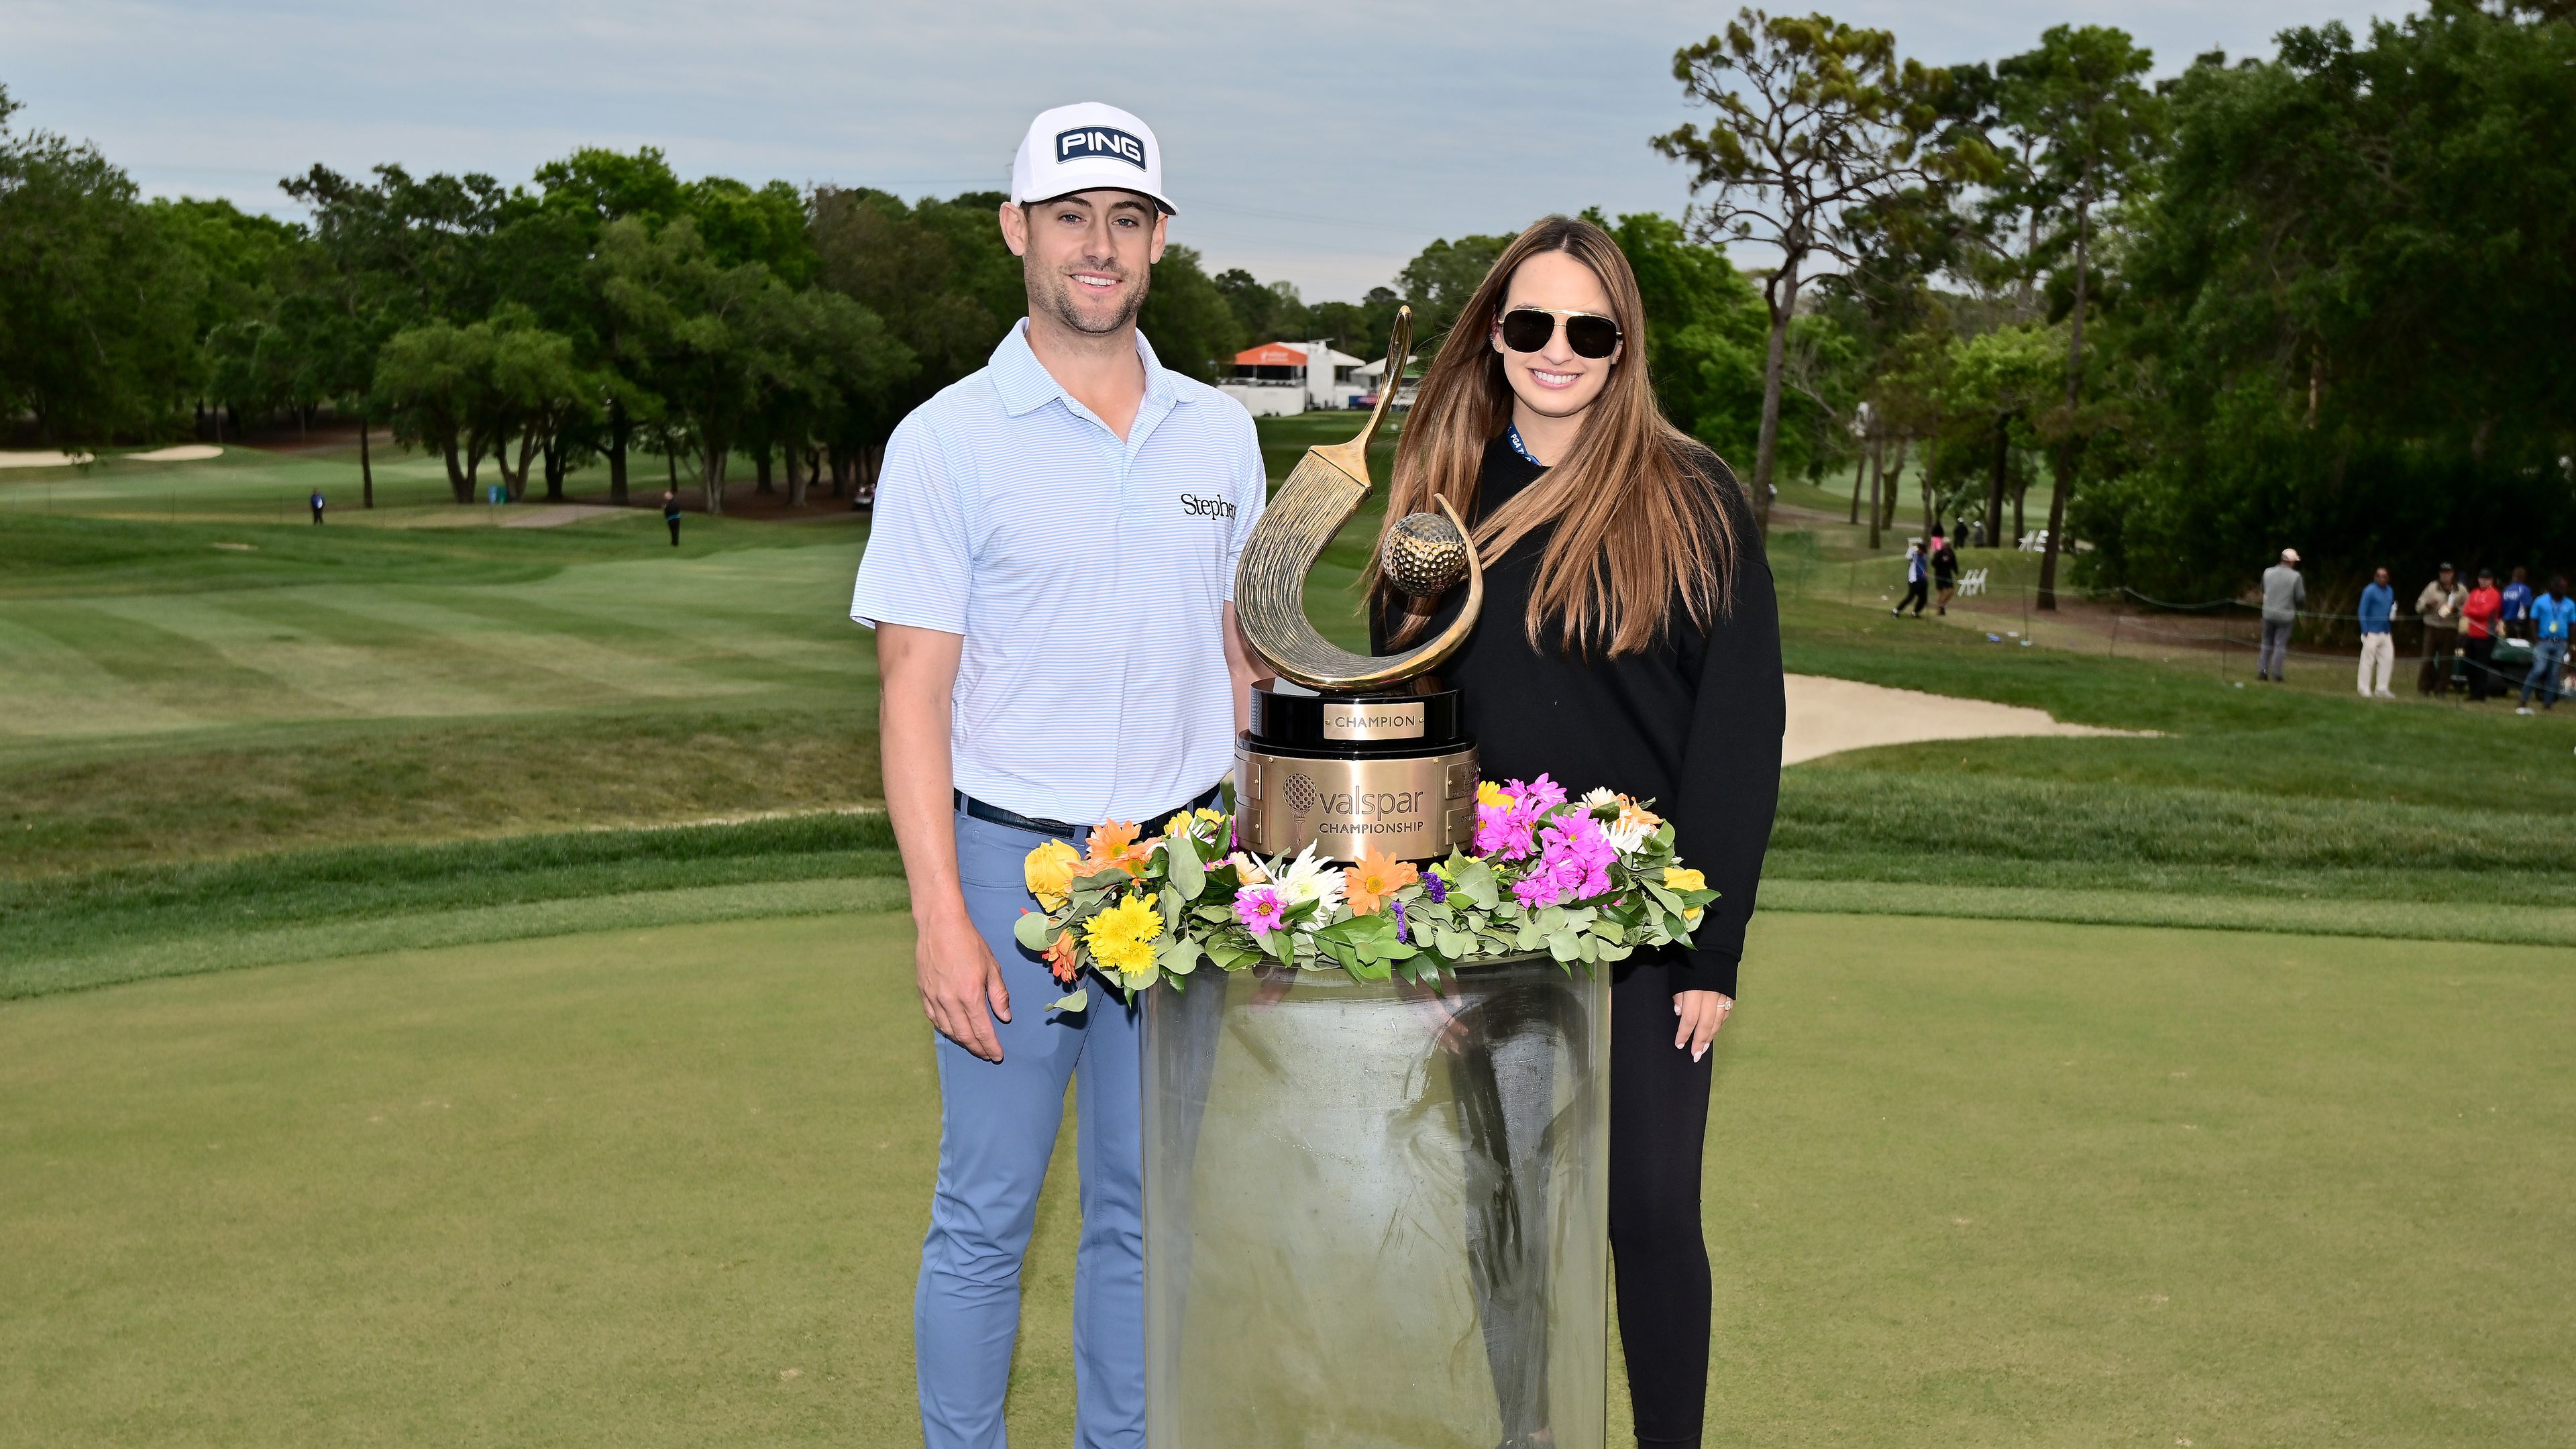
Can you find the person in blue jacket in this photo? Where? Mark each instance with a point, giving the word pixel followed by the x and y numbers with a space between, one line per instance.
pixel 2517 604
pixel 2378 646
pixel 2550 615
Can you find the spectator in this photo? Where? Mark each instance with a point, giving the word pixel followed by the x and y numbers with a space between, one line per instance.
pixel 2283 592
pixel 316 501
pixel 2439 607
pixel 2550 614
pixel 671 513
pixel 2378 646
pixel 2517 605
pixel 2478 623
pixel 1945 568
pixel 1917 578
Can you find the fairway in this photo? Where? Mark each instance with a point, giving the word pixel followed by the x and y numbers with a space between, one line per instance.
pixel 1969 1182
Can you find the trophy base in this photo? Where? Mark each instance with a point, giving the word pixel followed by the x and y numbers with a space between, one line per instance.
pixel 1347 773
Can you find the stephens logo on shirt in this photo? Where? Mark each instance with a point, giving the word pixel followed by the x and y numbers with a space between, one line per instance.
pixel 1197 507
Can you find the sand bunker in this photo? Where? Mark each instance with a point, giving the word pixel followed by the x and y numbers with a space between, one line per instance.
pixel 45 458
pixel 1828 716
pixel 184 453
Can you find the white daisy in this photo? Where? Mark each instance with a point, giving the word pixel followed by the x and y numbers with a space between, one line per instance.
pixel 1308 879
pixel 1601 799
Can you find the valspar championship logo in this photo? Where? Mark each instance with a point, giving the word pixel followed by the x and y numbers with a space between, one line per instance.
pixel 1102 141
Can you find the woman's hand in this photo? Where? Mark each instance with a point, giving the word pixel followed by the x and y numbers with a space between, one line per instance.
pixel 1701 1013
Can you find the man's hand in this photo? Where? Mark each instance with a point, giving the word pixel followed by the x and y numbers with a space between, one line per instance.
pixel 961 985
pixel 1701 1013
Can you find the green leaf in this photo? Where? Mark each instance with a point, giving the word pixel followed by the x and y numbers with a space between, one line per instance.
pixel 1456 945
pixel 1477 879
pixel 1078 999
pixel 1179 958
pixel 1610 952
pixel 1565 946
pixel 1033 930
pixel 1181 863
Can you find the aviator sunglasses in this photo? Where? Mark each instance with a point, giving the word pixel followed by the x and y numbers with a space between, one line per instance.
pixel 1527 329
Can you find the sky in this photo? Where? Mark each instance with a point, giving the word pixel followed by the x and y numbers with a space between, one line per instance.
pixel 1320 143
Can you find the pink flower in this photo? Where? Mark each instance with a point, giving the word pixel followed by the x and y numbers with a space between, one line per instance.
pixel 1503 832
pixel 1538 795
pixel 1576 856
pixel 1260 909
pixel 1536 890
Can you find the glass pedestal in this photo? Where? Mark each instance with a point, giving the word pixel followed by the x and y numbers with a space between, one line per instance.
pixel 1376 1215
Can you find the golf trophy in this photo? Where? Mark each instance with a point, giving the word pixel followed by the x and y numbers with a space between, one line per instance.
pixel 1376 1213
pixel 1349 751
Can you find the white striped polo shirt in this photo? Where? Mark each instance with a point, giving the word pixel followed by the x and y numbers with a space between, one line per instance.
pixel 1087 575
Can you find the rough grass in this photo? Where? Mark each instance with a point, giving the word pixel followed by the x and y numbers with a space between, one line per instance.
pixel 1968 1183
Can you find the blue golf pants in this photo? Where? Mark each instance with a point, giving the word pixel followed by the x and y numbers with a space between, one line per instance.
pixel 997 1127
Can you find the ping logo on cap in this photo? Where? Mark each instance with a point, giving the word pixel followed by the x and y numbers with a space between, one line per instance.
pixel 1102 141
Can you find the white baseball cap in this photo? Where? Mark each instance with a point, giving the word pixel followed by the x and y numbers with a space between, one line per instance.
pixel 1088 146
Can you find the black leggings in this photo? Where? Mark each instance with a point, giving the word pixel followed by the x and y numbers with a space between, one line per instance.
pixel 1914 594
pixel 1658 1132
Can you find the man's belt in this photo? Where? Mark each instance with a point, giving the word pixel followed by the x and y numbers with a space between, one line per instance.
pixel 969 805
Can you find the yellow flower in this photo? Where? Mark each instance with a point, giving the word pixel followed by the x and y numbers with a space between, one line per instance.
pixel 1678 879
pixel 1177 825
pixel 1489 793
pixel 1122 938
pixel 1050 873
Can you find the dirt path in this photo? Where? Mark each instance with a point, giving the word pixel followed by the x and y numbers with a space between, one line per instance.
pixel 1828 716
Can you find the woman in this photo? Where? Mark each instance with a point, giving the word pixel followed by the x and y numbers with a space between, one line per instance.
pixel 1629 640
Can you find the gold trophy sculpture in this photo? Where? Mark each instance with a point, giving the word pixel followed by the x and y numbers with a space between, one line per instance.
pixel 1368 755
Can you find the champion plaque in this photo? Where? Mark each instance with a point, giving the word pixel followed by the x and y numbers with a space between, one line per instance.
pixel 1350 752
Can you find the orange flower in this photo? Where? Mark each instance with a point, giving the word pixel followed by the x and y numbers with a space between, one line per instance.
pixel 1059 958
pixel 1367 885
pixel 1114 844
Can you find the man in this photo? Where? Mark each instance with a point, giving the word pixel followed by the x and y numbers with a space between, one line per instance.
pixel 2284 592
pixel 1050 574
pixel 1916 582
pixel 2517 604
pixel 671 513
pixel 1945 569
pixel 2439 607
pixel 316 501
pixel 2378 645
pixel 2551 613
pixel 2478 622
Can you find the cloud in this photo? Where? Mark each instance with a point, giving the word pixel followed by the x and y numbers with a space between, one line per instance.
pixel 1323 143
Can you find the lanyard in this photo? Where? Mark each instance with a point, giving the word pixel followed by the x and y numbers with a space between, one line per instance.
pixel 1512 435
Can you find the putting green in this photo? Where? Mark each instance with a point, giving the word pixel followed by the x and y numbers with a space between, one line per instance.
pixel 1971 1182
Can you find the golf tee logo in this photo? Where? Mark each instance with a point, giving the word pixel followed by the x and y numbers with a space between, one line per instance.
pixel 1102 141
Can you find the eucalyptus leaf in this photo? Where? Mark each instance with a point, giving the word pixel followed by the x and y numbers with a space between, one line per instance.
pixel 1033 930
pixel 1181 864
pixel 1078 999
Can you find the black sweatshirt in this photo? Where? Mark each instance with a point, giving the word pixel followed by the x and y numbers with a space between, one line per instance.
pixel 1693 723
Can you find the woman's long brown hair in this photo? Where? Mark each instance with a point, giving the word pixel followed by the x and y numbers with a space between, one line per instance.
pixel 1637 522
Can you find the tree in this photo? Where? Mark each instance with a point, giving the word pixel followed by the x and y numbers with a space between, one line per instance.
pixel 939 275
pixel 436 380
pixel 99 296
pixel 2346 305
pixel 1815 119
pixel 2082 93
pixel 1438 282
pixel 1704 330
pixel 2003 379
pixel 1186 318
